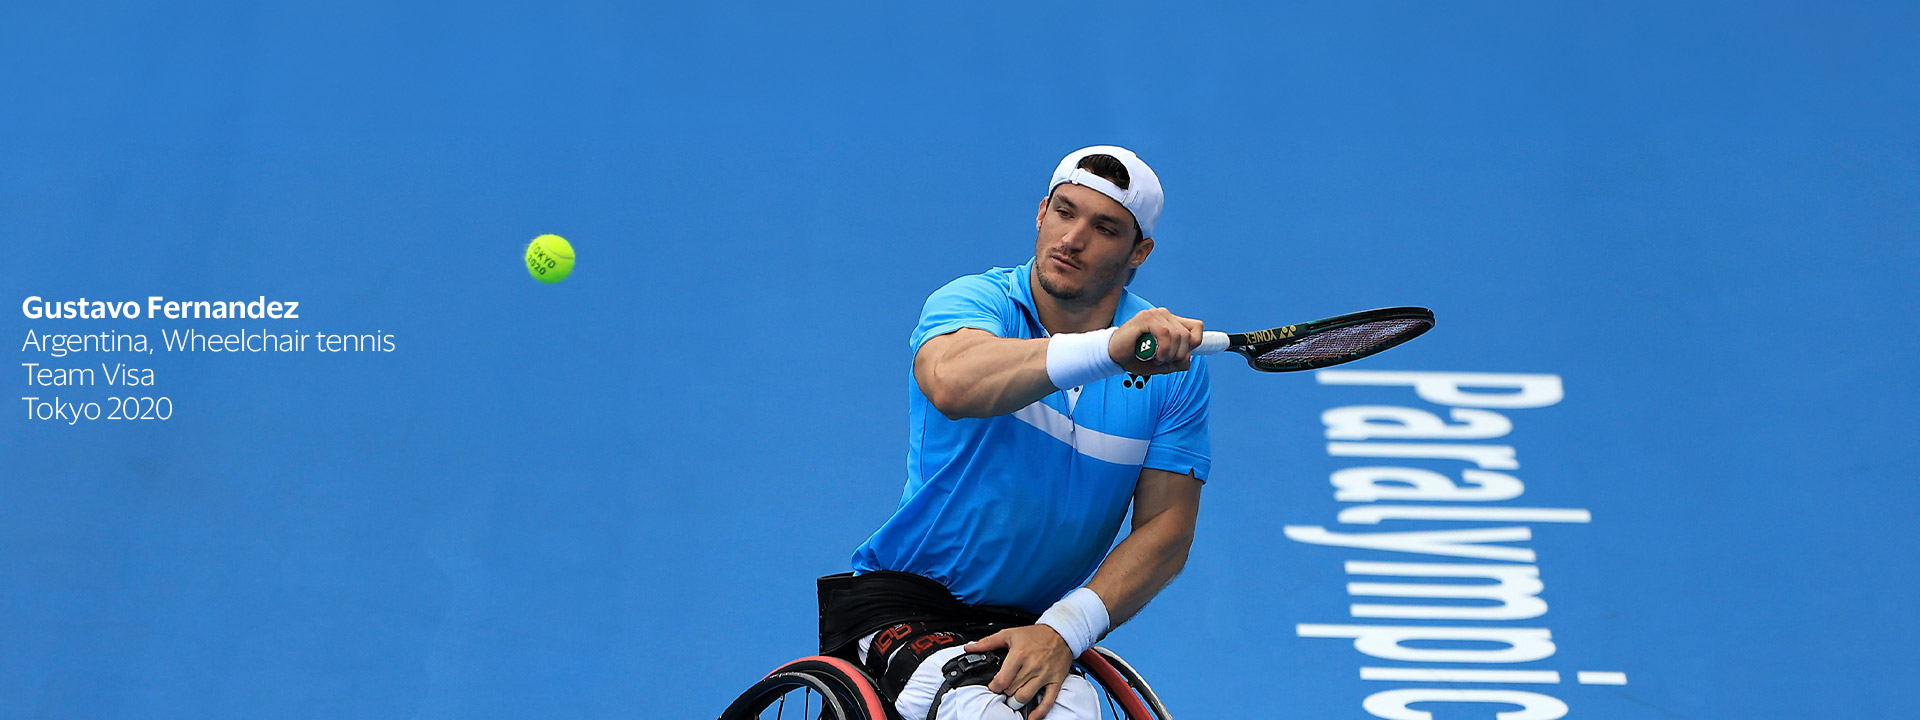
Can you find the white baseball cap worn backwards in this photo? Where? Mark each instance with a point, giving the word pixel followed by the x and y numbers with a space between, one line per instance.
pixel 1142 195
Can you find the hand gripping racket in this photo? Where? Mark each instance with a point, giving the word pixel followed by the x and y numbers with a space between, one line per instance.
pixel 1316 344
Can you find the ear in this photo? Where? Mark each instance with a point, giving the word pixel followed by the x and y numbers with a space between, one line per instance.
pixel 1042 215
pixel 1140 252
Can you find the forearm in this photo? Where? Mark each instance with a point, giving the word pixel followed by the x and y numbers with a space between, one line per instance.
pixel 985 376
pixel 1143 564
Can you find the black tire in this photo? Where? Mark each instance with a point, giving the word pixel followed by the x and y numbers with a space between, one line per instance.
pixel 812 683
pixel 806 691
pixel 1133 678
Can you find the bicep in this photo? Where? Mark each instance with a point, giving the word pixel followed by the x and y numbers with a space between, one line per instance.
pixel 1160 492
pixel 937 350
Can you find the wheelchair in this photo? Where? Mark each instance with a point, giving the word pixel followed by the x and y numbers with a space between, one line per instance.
pixel 826 688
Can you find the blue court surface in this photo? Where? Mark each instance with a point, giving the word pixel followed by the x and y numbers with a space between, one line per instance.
pixel 1669 404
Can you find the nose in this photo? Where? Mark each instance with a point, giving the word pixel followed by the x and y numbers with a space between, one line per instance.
pixel 1074 236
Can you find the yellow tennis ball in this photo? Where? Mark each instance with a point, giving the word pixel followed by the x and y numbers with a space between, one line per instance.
pixel 549 258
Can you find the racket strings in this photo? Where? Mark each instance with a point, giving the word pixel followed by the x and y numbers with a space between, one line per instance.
pixel 1343 342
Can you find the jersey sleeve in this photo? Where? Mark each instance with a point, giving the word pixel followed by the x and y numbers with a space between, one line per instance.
pixel 1181 443
pixel 968 302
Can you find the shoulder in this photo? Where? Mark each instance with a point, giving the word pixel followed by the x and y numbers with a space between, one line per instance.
pixel 993 290
pixel 997 282
pixel 984 301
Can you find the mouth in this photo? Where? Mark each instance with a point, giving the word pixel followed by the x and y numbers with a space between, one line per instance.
pixel 1064 262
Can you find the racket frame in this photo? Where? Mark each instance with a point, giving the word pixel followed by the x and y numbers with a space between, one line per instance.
pixel 1259 342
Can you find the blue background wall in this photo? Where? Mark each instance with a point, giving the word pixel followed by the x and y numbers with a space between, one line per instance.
pixel 589 500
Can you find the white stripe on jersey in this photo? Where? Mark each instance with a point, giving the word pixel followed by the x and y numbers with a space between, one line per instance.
pixel 1087 441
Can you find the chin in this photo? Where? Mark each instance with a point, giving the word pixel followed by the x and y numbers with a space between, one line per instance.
pixel 1060 293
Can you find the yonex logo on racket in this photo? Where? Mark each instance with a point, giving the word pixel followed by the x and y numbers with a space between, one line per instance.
pixel 1281 333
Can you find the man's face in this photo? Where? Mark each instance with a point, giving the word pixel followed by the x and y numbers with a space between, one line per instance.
pixel 1086 245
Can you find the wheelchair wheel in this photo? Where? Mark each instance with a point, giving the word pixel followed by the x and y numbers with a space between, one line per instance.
pixel 1122 691
pixel 814 688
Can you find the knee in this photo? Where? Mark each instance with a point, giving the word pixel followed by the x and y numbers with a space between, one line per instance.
pixel 1078 700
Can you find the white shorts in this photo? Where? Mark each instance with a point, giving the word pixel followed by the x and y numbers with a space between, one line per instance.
pixel 1078 700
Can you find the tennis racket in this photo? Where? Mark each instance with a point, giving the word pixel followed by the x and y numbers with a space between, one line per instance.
pixel 1317 344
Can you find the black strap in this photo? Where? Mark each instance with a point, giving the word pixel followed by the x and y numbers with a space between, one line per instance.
pixel 899 650
pixel 962 671
pixel 854 606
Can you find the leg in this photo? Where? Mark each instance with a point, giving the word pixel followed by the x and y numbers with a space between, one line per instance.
pixel 967 698
pixel 929 685
pixel 1078 701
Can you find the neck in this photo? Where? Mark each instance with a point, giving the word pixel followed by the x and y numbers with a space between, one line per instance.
pixel 1074 316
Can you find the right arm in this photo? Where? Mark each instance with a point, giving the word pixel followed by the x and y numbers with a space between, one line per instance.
pixel 973 373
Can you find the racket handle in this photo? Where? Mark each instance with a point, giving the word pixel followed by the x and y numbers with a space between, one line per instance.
pixel 1211 343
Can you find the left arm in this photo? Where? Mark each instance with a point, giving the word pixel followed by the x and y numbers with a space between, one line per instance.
pixel 1165 507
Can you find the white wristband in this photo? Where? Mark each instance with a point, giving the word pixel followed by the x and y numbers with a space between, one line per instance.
pixel 1080 618
pixel 1075 359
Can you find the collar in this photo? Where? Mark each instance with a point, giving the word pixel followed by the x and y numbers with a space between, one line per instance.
pixel 1023 295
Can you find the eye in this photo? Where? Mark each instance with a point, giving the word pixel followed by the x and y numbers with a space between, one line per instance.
pixel 1105 230
pixel 1062 212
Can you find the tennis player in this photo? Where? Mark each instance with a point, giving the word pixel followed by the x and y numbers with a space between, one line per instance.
pixel 1032 430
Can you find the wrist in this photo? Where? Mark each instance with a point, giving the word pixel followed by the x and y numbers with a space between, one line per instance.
pixel 1080 618
pixel 1075 359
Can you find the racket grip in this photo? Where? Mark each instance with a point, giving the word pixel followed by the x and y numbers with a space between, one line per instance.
pixel 1211 343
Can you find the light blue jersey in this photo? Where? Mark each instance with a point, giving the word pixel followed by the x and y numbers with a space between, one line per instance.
pixel 1019 510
